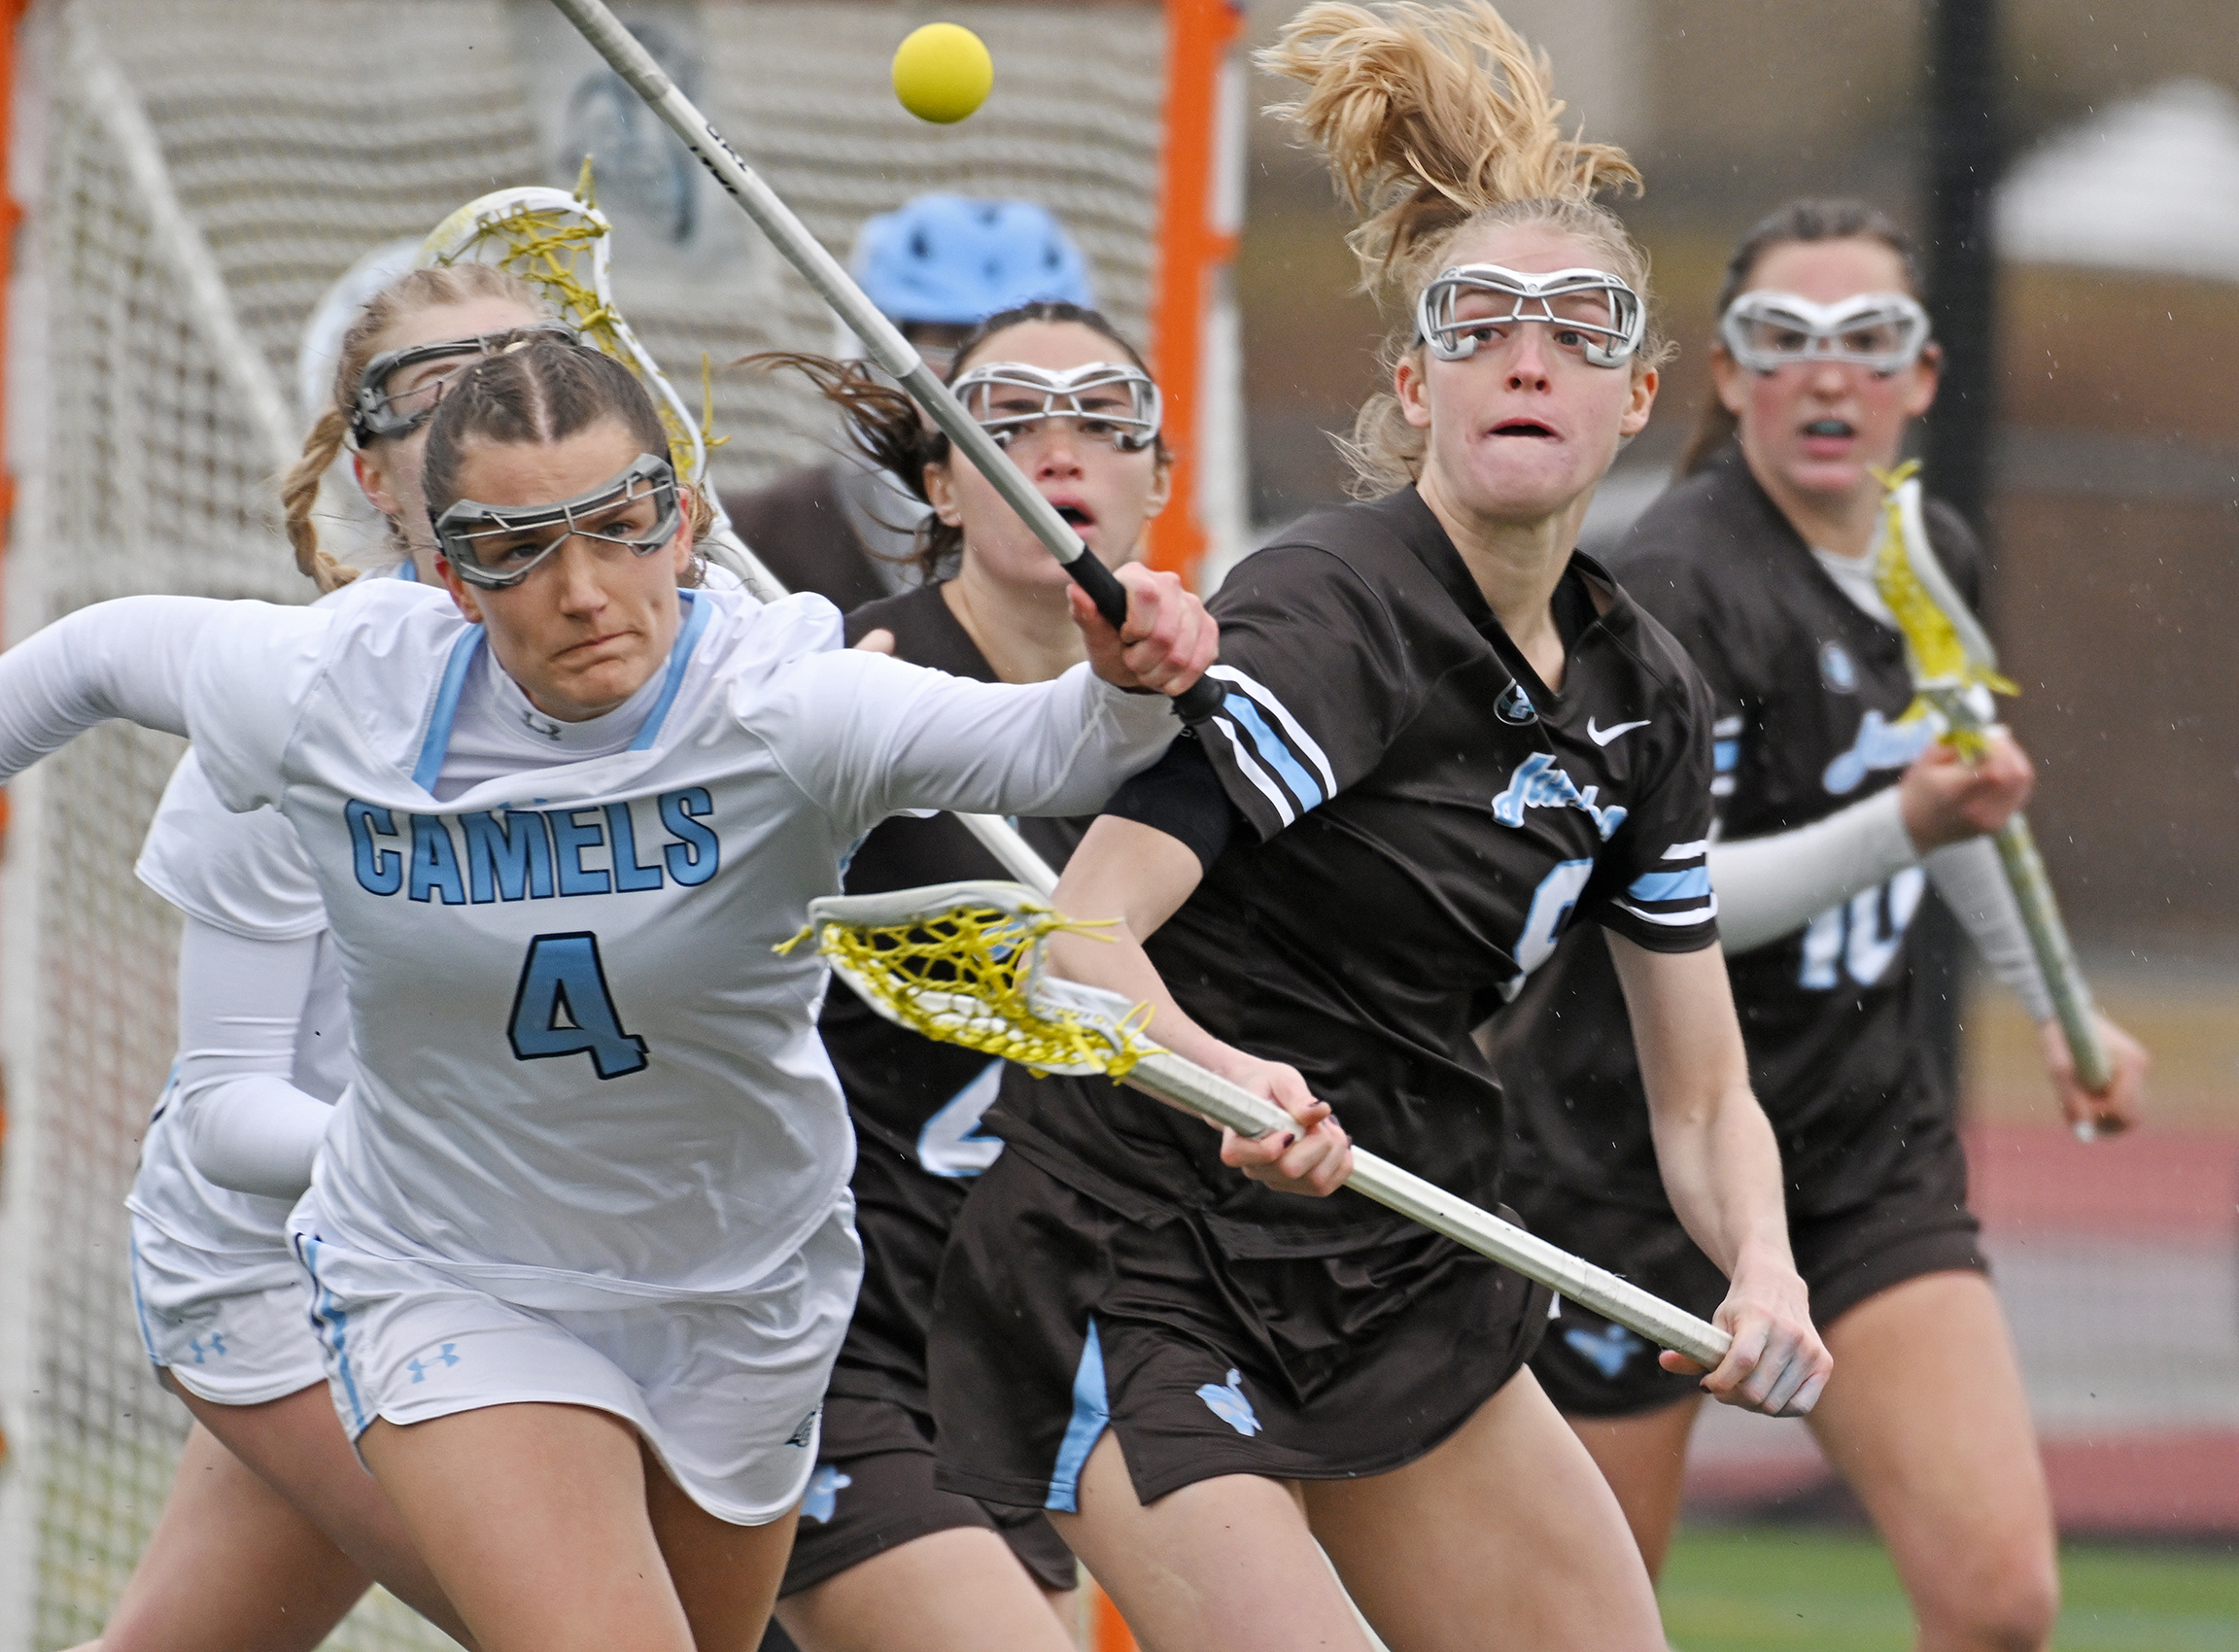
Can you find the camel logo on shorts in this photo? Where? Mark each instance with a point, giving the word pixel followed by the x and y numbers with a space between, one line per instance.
pixel 824 1489
pixel 807 1432
pixel 1610 1352
pixel 1227 1401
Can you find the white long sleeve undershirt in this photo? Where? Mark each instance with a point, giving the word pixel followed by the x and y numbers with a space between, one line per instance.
pixel 1772 887
pixel 241 1002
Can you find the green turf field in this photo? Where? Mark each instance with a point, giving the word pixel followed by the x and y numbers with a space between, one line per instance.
pixel 1770 1588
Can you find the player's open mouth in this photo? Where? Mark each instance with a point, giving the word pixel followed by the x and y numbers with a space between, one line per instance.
pixel 1522 427
pixel 1834 429
pixel 1077 516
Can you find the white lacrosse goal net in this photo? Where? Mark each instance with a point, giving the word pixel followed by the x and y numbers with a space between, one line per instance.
pixel 194 176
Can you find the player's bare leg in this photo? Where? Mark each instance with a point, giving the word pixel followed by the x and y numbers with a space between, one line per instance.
pixel 1644 1460
pixel 1227 1565
pixel 296 1445
pixel 1927 1420
pixel 231 1566
pixel 961 1590
pixel 544 1525
pixel 1506 1522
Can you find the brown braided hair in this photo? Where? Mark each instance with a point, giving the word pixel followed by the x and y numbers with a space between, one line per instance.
pixel 885 426
pixel 408 294
pixel 1797 221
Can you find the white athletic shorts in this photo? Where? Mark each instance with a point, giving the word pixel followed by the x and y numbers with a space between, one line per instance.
pixel 727 1390
pixel 232 1328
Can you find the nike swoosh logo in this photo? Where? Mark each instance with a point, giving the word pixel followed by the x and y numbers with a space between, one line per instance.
pixel 1603 737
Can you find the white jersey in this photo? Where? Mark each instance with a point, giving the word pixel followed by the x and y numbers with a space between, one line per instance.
pixel 583 1073
pixel 247 875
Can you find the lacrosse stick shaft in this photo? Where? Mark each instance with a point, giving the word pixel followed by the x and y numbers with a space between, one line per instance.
pixel 888 348
pixel 2032 888
pixel 1183 1084
pixel 2064 981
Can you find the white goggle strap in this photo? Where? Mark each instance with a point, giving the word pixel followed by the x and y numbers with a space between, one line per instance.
pixel 1437 325
pixel 1823 328
pixel 1140 425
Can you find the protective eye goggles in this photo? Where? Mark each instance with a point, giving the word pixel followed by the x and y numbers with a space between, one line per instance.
pixel 379 411
pixel 497 545
pixel 1109 402
pixel 1881 331
pixel 1591 310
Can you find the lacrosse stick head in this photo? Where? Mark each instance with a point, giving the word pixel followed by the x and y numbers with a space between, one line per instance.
pixel 962 964
pixel 1955 668
pixel 559 243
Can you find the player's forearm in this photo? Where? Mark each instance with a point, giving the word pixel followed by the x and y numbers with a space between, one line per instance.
pixel 1053 748
pixel 241 1001
pixel 1774 885
pixel 1721 1169
pixel 1972 881
pixel 122 658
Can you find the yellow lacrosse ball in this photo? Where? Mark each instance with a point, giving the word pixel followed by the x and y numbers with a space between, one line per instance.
pixel 942 73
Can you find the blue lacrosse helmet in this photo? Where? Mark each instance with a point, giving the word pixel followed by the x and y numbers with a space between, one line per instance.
pixel 955 261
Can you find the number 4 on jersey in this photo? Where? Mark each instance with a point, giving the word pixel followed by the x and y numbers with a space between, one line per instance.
pixel 563 1008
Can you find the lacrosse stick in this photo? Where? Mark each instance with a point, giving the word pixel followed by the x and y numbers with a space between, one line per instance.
pixel 559 243
pixel 962 963
pixel 1954 673
pixel 887 346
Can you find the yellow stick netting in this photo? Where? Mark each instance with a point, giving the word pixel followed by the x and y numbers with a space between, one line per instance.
pixel 965 976
pixel 1944 667
pixel 549 246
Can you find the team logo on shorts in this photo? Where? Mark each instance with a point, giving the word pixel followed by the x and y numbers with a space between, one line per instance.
pixel 824 1489
pixel 1515 708
pixel 1836 670
pixel 807 1432
pixel 216 1351
pixel 1608 1352
pixel 1227 1401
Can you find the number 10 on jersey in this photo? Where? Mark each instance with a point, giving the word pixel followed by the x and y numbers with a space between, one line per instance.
pixel 563 1008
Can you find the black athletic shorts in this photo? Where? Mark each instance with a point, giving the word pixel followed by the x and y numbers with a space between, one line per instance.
pixel 872 1487
pixel 1056 1317
pixel 863 1504
pixel 1916 1223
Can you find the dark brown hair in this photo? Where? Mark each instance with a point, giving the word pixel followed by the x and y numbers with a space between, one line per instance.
pixel 1797 221
pixel 541 392
pixel 885 426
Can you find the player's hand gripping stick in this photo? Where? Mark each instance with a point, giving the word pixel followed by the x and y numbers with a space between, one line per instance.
pixel 888 348
pixel 962 963
pixel 1954 668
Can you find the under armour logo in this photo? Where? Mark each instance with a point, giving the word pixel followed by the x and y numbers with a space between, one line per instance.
pixel 217 1349
pixel 538 724
pixel 444 1354
pixel 824 1489
pixel 1227 1402
pixel 1609 1350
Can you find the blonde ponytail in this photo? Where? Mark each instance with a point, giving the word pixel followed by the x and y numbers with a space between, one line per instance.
pixel 1435 121
pixel 409 293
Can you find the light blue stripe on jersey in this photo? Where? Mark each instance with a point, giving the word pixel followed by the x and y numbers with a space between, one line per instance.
pixel 1091 1416
pixel 679 656
pixel 1689 885
pixel 437 742
pixel 1272 748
